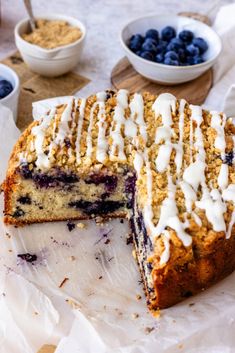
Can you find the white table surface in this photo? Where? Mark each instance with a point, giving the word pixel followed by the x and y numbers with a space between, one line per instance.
pixel 104 20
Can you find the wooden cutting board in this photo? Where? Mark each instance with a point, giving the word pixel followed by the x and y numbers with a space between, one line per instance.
pixel 124 76
pixel 195 92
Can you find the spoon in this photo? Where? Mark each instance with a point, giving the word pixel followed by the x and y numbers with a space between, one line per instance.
pixel 29 10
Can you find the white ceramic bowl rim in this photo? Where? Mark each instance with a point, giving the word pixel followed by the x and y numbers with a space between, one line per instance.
pixel 16 80
pixel 171 67
pixel 52 17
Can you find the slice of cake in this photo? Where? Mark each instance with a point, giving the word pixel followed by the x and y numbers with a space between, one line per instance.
pixel 166 165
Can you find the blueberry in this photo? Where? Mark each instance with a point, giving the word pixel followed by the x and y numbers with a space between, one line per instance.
pixel 201 44
pixel 70 225
pixel 229 157
pixel 5 88
pixel 149 45
pixel 168 33
pixel 152 33
pixel 159 58
pixel 136 42
pixel 169 61
pixel 138 52
pixel 147 55
pixel 197 60
pixel 186 36
pixel 182 55
pixel 192 50
pixel 28 257
pixel 161 49
pixel 175 44
pixel 172 55
pixel 24 200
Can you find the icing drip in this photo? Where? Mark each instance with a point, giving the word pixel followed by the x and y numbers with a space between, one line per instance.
pixel 179 149
pixel 102 144
pixel 100 102
pixel 138 163
pixel 229 195
pixel 79 129
pixel 118 121
pixel 220 143
pixel 38 131
pixel 137 115
pixel 168 212
pixel 166 253
pixel 164 105
pixel 63 129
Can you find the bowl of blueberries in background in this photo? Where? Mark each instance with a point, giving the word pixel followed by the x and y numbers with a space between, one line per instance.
pixel 9 89
pixel 170 49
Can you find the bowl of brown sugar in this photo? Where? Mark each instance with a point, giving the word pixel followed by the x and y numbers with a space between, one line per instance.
pixel 54 47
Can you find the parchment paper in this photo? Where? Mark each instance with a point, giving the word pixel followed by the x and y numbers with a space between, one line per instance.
pixel 81 292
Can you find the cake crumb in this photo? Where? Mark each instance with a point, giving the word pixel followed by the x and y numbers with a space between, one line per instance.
pixel 100 277
pixel 35 313
pixel 99 220
pixel 157 313
pixel 81 225
pixel 10 250
pixel 8 235
pixel 180 346
pixel 134 254
pixel 138 297
pixel 63 282
pixel 135 316
pixel 149 329
pixel 72 258
pixel 73 304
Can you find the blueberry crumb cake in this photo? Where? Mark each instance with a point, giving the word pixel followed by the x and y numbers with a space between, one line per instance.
pixel 165 164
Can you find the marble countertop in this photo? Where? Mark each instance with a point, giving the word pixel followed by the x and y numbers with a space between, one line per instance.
pixel 104 20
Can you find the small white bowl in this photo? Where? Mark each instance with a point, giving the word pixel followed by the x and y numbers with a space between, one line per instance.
pixel 11 100
pixel 50 62
pixel 167 74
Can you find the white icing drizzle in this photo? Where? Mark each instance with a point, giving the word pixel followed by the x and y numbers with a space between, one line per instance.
pixel 164 105
pixel 179 149
pixel 101 96
pixel 38 131
pixel 220 143
pixel 79 129
pixel 63 129
pixel 102 144
pixel 118 122
pixel 228 194
pixel 137 115
pixel 166 253
pixel 138 163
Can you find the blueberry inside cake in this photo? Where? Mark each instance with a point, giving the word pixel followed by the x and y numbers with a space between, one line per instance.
pixel 165 164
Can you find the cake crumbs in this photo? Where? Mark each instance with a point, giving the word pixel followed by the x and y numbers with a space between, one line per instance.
pixel 180 346
pixel 63 282
pixel 72 258
pixel 36 313
pixel 134 254
pixel 81 225
pixel 135 316
pixel 138 297
pixel 157 313
pixel 107 241
pixel 70 225
pixel 73 304
pixel 149 329
pixel 8 235
pixel 100 277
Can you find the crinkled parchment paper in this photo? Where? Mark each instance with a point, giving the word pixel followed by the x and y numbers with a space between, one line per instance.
pixel 81 292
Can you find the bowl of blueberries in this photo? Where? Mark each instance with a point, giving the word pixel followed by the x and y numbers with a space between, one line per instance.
pixel 170 49
pixel 9 89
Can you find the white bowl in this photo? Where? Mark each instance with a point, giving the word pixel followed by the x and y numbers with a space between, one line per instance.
pixel 165 73
pixel 50 62
pixel 11 100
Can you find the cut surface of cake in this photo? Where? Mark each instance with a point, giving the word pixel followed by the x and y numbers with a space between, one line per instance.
pixel 165 164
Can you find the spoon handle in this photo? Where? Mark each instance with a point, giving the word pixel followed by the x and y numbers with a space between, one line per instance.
pixel 28 6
